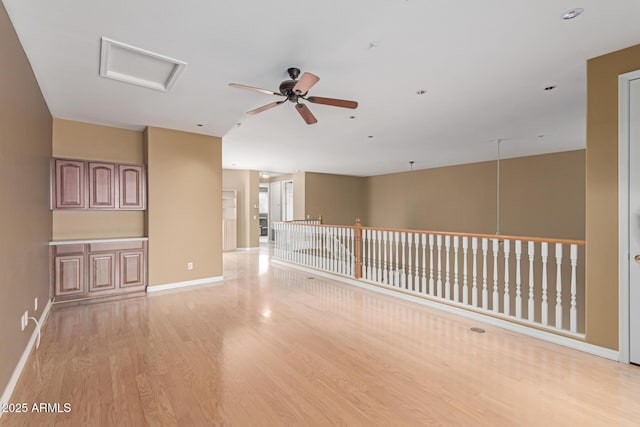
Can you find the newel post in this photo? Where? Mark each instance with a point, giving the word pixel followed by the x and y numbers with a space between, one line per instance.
pixel 358 242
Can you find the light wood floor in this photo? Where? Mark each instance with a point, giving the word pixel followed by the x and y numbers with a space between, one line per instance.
pixel 276 347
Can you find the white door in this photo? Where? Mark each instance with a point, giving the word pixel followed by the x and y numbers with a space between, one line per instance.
pixel 634 221
pixel 287 208
pixel 274 205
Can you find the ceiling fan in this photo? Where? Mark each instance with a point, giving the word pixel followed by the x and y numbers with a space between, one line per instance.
pixel 295 90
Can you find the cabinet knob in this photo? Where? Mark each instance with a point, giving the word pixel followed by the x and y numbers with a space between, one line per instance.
pixel 637 258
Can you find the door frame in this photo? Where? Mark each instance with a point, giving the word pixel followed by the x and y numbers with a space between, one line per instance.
pixel 624 142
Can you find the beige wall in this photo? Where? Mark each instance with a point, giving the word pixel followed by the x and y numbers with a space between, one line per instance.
pixel 541 196
pixel 602 193
pixel 184 180
pixel 299 189
pixel 77 140
pixel 246 183
pixel 340 199
pixel 25 229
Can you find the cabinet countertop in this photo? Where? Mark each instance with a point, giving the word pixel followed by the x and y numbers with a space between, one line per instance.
pixel 77 242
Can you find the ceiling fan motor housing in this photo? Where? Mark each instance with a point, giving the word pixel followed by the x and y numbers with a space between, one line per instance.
pixel 286 88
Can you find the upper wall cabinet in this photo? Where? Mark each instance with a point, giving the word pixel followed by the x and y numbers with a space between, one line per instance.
pixel 78 184
pixel 132 188
pixel 69 189
pixel 102 188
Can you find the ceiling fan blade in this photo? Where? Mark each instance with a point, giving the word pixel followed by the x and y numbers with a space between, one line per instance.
pixel 306 114
pixel 305 83
pixel 332 101
pixel 255 89
pixel 265 107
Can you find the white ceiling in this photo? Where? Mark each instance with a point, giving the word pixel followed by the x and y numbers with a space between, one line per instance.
pixel 484 65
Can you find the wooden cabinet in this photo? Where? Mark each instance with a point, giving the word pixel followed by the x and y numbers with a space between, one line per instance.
pixel 79 184
pixel 132 186
pixel 132 269
pixel 98 268
pixel 102 185
pixel 68 192
pixel 102 271
pixel 69 274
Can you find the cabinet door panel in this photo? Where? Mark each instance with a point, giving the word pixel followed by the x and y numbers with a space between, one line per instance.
pixel 69 274
pixel 132 186
pixel 69 184
pixel 132 268
pixel 102 272
pixel 102 185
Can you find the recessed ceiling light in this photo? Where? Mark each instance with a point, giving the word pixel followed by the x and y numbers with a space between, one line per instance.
pixel 199 125
pixel 573 13
pixel 370 136
pixel 540 136
pixel 548 88
pixel 238 124
pixel 352 117
pixel 421 92
pixel 373 45
pixel 234 164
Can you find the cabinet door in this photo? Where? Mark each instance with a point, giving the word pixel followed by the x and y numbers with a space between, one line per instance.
pixel 102 185
pixel 69 274
pixel 132 186
pixel 69 184
pixel 102 272
pixel 132 268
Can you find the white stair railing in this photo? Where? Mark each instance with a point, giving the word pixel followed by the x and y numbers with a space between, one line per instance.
pixel 504 276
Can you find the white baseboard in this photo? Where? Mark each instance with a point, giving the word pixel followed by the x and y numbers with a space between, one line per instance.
pixel 11 385
pixel 176 285
pixel 257 248
pixel 504 324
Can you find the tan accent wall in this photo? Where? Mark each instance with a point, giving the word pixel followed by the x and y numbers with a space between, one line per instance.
pixel 87 141
pixel 246 183
pixel 25 229
pixel 541 196
pixel 340 199
pixel 602 193
pixel 184 180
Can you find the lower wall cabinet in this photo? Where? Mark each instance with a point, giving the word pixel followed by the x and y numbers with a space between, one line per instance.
pixel 86 270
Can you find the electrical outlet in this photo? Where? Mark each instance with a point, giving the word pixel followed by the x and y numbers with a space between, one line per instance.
pixel 35 304
pixel 25 319
pixel 189 266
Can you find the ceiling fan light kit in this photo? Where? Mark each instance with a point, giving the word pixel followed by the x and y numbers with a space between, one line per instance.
pixel 295 90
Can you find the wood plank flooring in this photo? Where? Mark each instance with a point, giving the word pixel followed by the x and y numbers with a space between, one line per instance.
pixel 276 347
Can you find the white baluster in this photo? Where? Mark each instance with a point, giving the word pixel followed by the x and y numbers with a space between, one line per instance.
pixel 506 296
pixel 423 239
pixel 474 283
pixel 409 276
pixel 366 254
pixel 403 280
pixel 439 282
pixel 485 290
pixel 447 283
pixel 371 267
pixel 396 271
pixel 573 322
pixel 385 266
pixel 518 280
pixel 496 297
pixel 431 287
pixel 559 285
pixel 545 305
pixel 531 305
pixel 456 286
pixel 465 282
pixel 379 268
pixel 416 280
